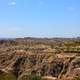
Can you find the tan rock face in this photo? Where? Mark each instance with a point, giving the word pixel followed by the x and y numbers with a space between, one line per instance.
pixel 48 78
pixel 17 58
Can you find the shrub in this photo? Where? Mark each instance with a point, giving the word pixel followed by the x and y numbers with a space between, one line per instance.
pixel 6 76
pixel 77 78
pixel 31 77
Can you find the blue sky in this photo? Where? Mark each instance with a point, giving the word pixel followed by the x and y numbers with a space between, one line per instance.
pixel 39 18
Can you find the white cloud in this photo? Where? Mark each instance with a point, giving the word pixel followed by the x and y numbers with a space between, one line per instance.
pixel 10 31
pixel 41 3
pixel 73 11
pixel 12 3
pixel 70 8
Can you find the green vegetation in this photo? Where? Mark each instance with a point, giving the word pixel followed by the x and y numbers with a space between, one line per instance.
pixel 31 77
pixel 77 78
pixel 5 76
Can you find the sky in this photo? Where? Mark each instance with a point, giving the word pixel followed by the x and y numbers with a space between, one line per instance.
pixel 39 18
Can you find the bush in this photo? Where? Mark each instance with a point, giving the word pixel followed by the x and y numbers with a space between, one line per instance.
pixel 6 76
pixel 31 77
pixel 77 78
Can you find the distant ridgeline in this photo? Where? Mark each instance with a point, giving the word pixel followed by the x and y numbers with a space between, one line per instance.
pixel 68 45
pixel 72 46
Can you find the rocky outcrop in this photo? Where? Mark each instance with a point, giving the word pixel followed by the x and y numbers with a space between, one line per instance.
pixel 18 59
pixel 40 64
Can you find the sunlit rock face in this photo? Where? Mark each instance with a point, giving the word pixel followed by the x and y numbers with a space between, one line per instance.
pixel 24 58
